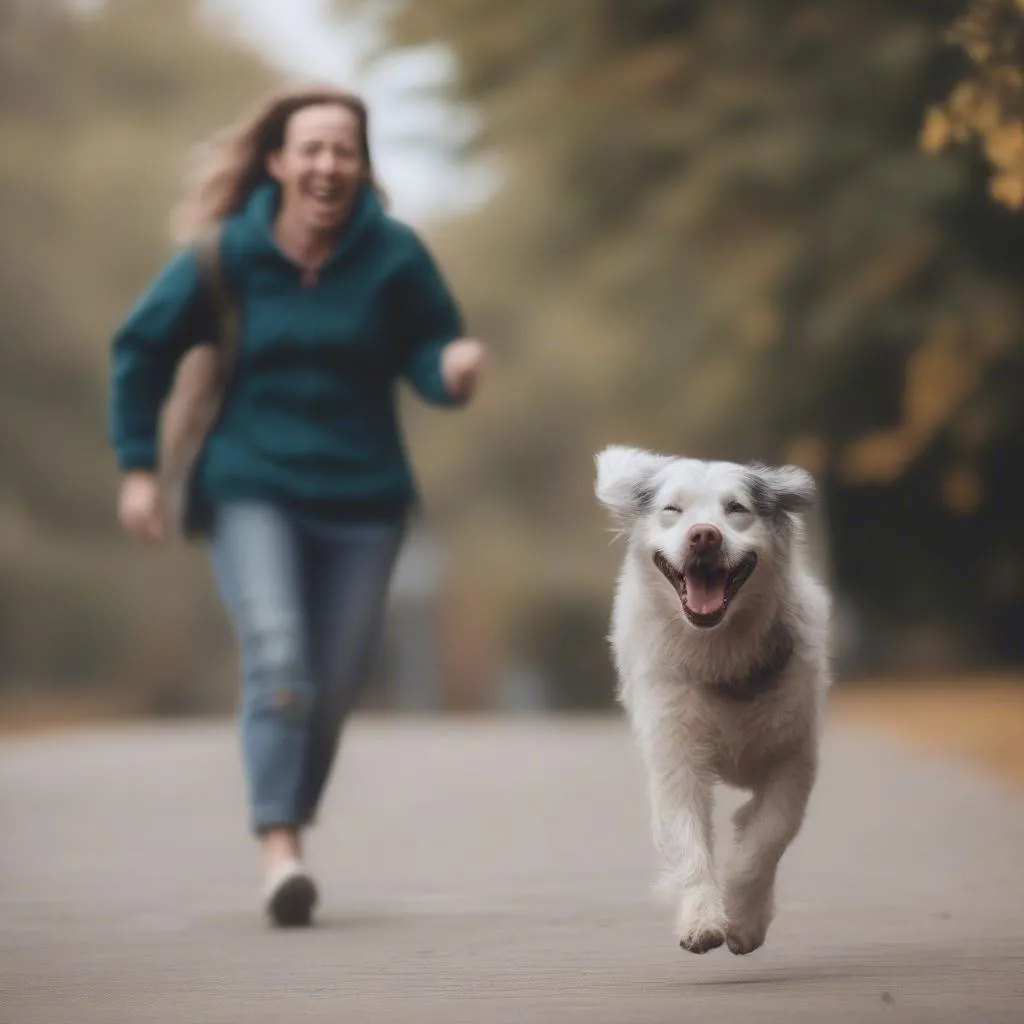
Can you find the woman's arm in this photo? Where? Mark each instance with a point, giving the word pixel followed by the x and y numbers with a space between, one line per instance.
pixel 171 317
pixel 439 363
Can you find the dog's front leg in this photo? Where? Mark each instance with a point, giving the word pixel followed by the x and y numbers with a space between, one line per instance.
pixel 680 795
pixel 765 826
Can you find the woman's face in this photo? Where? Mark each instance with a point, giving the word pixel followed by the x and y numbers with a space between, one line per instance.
pixel 320 166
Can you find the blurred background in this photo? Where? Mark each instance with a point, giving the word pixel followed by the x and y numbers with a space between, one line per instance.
pixel 741 229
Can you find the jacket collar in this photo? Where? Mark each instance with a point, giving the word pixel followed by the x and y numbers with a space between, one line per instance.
pixel 261 210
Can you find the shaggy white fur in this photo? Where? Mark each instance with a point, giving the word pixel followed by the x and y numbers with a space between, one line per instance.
pixel 720 636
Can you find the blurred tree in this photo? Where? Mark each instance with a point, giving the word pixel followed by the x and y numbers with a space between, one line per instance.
pixel 987 105
pixel 97 108
pixel 718 234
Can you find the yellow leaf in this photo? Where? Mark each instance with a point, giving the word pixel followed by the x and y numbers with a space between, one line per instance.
pixel 940 375
pixel 935 133
pixel 1008 189
pixel 963 98
pixel 878 458
pixel 1004 145
pixel 979 51
pixel 986 115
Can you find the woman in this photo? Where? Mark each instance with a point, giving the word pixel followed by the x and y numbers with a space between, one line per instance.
pixel 304 473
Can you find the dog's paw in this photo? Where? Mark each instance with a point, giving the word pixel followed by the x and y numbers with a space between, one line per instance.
pixel 703 937
pixel 742 939
pixel 748 923
pixel 701 924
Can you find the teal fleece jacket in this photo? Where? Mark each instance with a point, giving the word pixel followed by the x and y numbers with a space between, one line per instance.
pixel 310 419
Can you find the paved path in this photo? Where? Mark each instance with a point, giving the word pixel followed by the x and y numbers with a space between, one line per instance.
pixel 487 872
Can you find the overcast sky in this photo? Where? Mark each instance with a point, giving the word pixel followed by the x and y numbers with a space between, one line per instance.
pixel 409 129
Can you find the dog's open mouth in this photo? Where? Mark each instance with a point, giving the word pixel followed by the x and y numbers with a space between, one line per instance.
pixel 705 586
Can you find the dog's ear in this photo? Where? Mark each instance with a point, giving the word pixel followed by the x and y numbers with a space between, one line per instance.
pixel 627 480
pixel 776 490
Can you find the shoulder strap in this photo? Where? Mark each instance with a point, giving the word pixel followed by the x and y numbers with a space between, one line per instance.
pixel 222 302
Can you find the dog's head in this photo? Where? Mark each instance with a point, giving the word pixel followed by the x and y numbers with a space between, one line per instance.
pixel 716 531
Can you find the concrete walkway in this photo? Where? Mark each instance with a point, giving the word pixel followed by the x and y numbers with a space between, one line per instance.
pixel 487 872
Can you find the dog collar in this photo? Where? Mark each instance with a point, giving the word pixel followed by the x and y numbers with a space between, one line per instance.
pixel 766 673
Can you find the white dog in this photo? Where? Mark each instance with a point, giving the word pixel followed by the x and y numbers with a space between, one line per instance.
pixel 720 637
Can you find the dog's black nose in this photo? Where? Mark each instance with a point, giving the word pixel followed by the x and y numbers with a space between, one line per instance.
pixel 704 537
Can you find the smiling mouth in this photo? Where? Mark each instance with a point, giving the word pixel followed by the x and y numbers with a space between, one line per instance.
pixel 706 587
pixel 327 195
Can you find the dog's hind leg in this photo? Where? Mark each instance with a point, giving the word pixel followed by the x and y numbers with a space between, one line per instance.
pixel 765 827
pixel 682 831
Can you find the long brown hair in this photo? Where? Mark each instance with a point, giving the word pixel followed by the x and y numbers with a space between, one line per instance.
pixel 225 168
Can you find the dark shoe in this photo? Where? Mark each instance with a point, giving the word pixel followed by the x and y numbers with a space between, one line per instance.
pixel 290 896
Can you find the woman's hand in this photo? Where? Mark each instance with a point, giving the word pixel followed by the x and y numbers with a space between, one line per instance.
pixel 461 365
pixel 140 506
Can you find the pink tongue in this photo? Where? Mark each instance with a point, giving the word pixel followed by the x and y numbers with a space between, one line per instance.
pixel 703 597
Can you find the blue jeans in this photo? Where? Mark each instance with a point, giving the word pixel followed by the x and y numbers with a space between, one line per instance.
pixel 306 599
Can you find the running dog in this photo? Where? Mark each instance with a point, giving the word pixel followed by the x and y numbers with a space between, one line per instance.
pixel 720 637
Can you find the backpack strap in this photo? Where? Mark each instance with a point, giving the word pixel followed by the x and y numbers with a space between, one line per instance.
pixel 221 302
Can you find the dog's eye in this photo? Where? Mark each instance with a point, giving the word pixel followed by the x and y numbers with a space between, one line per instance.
pixel 674 509
pixel 735 508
